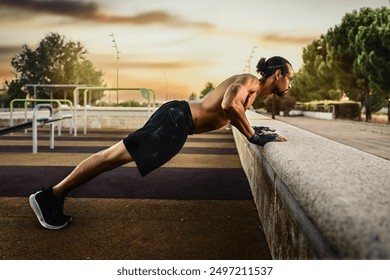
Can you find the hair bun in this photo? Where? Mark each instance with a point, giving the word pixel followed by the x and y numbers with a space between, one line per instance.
pixel 261 66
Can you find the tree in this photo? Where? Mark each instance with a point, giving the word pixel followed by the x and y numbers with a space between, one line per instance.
pixel 358 48
pixel 353 57
pixel 372 46
pixel 313 81
pixel 54 61
pixel 276 104
pixel 193 96
pixel 208 87
pixel 14 86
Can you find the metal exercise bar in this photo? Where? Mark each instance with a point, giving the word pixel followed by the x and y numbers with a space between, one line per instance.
pixel 26 101
pixel 35 127
pixel 145 92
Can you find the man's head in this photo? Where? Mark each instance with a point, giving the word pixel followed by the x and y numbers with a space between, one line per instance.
pixel 280 70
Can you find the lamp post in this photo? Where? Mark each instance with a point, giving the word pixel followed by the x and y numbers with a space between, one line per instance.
pixel 117 66
pixel 250 58
pixel 388 109
pixel 247 67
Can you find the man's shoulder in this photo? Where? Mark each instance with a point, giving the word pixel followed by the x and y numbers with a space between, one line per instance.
pixel 244 79
pixel 244 75
pixel 247 79
pixel 240 78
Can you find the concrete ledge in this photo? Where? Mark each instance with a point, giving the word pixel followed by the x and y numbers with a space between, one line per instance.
pixel 318 199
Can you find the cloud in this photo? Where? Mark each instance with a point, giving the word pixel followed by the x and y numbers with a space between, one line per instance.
pixel 164 65
pixel 168 65
pixel 90 11
pixel 292 40
pixel 147 18
pixel 73 8
pixel 7 50
pixel 6 53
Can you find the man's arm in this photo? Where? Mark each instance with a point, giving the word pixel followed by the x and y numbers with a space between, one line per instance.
pixel 238 97
pixel 234 103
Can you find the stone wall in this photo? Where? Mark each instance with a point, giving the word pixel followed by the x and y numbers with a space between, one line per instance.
pixel 318 199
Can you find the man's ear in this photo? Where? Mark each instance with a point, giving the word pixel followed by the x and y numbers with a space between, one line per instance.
pixel 278 74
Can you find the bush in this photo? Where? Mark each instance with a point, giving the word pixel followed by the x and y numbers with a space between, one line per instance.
pixel 285 103
pixel 347 110
pixel 343 109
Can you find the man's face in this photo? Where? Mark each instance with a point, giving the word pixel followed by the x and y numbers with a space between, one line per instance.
pixel 285 82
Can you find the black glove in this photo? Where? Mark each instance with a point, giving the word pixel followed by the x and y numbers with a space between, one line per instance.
pixel 261 129
pixel 261 139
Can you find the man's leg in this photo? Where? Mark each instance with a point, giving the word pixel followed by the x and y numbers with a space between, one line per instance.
pixel 48 204
pixel 106 160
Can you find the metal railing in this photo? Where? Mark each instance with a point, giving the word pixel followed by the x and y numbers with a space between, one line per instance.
pixel 145 92
pixel 35 127
pixel 148 94
pixel 27 101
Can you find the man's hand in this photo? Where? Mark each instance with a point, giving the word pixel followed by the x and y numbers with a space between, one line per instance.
pixel 261 139
pixel 261 129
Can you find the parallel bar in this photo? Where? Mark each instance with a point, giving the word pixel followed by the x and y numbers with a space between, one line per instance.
pixel 88 88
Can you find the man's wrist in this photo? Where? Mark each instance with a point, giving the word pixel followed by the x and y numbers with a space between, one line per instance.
pixel 254 138
pixel 253 133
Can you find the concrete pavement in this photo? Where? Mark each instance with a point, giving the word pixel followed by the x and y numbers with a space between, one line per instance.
pixel 367 137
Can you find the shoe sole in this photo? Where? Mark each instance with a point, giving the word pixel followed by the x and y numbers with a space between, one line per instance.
pixel 37 210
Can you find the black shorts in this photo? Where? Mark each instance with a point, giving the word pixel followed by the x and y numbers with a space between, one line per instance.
pixel 162 137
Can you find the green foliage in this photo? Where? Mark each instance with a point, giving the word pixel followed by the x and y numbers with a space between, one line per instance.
pixel 353 57
pixel 343 109
pixel 130 103
pixel 208 87
pixel 285 103
pixel 54 61
pixel 193 96
pixel 313 105
pixel 258 103
pixel 16 87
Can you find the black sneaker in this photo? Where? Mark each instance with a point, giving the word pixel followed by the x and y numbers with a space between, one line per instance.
pixel 49 209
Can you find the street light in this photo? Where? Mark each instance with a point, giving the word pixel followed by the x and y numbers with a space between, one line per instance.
pixel 248 66
pixel 388 109
pixel 117 66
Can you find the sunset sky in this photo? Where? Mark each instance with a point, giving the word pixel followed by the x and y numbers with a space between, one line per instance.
pixel 174 47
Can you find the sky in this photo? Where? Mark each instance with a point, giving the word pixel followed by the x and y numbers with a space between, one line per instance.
pixel 173 46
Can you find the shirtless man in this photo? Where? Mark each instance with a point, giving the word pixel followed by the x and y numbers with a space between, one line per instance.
pixel 166 131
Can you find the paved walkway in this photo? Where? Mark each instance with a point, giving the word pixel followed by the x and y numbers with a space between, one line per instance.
pixel 198 206
pixel 367 137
